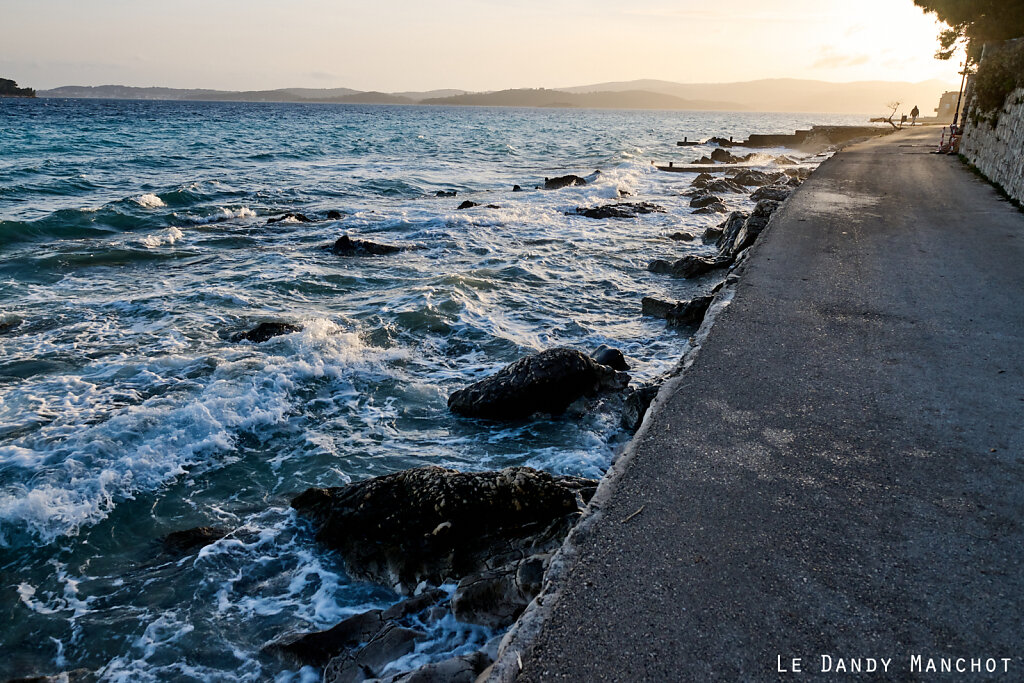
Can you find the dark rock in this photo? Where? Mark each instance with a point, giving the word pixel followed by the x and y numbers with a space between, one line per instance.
pixel 466 205
pixel 334 215
pixel 688 266
pixel 446 524
pixel 181 542
pixel 712 234
pixel 635 408
pixel 301 218
pixel 546 382
pixel 682 236
pixel 702 180
pixel 704 199
pixel 753 226
pixel 265 331
pixel 563 181
pixel 496 597
pixel 689 312
pixel 516 188
pixel 724 185
pixel 446 193
pixel 725 157
pixel 714 207
pixel 346 246
pixel 613 358
pixel 802 173
pixel 621 210
pixel 703 160
pixel 463 669
pixel 390 644
pixel 721 142
pixel 9 325
pixel 750 177
pixel 318 648
pixel 778 193
pixel 785 161
pixel 729 228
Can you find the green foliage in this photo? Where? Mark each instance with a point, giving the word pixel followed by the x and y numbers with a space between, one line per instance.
pixel 975 22
pixel 9 88
pixel 999 74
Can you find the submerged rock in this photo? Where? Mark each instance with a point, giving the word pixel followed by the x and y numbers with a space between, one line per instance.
pixel 334 215
pixel 516 188
pixel 682 236
pixel 265 331
pixel 466 205
pixel 563 181
pixel 546 382
pixel 688 266
pixel 724 185
pixel 181 542
pixel 621 210
pixel 714 207
pixel 434 524
pixel 346 246
pixel 690 312
pixel 9 324
pixel 721 142
pixel 446 193
pixel 723 156
pixel 297 217
pixel 613 358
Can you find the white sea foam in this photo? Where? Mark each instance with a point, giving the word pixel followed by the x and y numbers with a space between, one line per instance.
pixel 219 216
pixel 150 201
pixel 162 238
pixel 86 461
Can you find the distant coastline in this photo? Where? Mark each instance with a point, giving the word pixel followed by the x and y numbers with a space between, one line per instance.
pixel 780 95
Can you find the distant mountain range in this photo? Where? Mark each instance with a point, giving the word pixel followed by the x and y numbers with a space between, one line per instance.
pixel 784 95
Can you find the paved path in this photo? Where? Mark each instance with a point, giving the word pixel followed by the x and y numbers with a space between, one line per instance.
pixel 841 471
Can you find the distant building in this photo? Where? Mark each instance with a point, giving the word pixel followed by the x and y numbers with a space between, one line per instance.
pixel 947 106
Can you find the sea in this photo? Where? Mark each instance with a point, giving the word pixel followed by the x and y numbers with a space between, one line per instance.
pixel 134 242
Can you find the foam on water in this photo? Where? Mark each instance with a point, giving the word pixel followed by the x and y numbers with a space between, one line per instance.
pixel 150 201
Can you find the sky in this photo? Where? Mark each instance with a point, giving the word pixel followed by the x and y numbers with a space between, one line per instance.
pixel 415 45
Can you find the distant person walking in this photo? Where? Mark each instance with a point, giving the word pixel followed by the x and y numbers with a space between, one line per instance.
pixel 914 113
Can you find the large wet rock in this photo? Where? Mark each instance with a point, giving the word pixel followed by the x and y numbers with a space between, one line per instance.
pixel 495 598
pixel 318 647
pixel 688 266
pixel 751 177
pixel 727 230
pixel 368 662
pixel 703 199
pixel 434 524
pixel 621 210
pixel 638 401
pixel 689 312
pixel 463 669
pixel 563 181
pixel 546 382
pixel 265 331
pixel 346 246
pixel 778 193
pixel 612 357
pixel 752 227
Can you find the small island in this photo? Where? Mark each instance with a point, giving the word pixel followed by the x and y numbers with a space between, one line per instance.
pixel 9 88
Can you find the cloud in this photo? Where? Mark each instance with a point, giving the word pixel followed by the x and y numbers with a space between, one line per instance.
pixel 830 59
pixel 322 76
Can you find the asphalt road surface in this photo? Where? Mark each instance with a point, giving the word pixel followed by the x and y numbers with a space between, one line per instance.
pixel 841 471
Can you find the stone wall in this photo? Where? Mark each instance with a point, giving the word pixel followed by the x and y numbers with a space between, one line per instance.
pixel 999 152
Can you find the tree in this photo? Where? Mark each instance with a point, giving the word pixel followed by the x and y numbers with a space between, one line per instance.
pixel 974 23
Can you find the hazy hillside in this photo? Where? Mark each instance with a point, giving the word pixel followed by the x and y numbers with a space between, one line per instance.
pixel 783 94
pixel 790 94
pixel 541 97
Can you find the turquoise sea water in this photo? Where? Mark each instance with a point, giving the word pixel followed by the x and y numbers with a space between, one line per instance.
pixel 134 241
